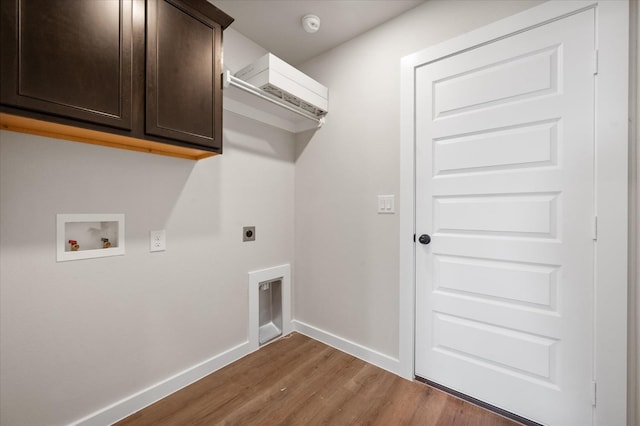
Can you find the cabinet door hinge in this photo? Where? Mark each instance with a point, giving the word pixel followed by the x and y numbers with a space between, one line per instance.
pixel 595 62
pixel 593 393
pixel 595 228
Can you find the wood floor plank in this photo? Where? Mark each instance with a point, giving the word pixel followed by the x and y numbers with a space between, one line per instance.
pixel 299 381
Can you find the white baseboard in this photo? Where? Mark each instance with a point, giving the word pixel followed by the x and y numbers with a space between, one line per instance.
pixel 148 396
pixel 366 354
pixel 154 393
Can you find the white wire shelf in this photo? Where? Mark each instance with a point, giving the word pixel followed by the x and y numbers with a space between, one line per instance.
pixel 250 101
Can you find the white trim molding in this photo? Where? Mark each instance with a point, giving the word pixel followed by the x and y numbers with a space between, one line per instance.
pixel 139 400
pixel 362 352
pixel 611 130
pixel 633 399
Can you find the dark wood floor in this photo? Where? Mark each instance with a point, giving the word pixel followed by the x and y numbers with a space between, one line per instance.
pixel 299 381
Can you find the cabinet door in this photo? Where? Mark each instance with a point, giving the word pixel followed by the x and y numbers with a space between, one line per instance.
pixel 70 58
pixel 183 93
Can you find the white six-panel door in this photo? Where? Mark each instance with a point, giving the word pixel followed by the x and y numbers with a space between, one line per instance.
pixel 505 189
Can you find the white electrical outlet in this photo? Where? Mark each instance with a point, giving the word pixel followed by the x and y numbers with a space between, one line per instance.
pixel 157 240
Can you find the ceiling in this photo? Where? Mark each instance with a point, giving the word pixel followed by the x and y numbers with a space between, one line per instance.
pixel 276 24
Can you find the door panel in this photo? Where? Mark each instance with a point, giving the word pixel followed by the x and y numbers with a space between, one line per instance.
pixel 530 75
pixel 69 58
pixel 181 101
pixel 519 283
pixel 504 185
pixel 530 145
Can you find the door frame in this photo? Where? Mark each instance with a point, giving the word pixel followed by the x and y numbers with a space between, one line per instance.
pixel 611 187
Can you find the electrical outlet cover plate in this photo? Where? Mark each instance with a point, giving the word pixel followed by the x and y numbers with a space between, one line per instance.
pixel 157 240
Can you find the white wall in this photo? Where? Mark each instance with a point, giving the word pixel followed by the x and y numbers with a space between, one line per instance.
pixel 346 254
pixel 78 336
pixel 239 51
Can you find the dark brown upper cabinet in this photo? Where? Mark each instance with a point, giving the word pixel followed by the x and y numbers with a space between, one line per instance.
pixel 139 74
pixel 183 70
pixel 69 58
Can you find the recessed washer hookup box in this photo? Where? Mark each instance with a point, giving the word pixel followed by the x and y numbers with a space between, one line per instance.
pixel 275 76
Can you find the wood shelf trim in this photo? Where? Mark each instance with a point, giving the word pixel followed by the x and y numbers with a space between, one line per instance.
pixel 32 126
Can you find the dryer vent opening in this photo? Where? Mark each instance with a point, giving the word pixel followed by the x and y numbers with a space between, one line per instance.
pixel 270 307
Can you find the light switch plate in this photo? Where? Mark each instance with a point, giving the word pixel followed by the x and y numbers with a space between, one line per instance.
pixel 386 204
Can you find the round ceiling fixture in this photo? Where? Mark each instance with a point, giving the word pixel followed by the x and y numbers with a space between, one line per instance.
pixel 310 23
